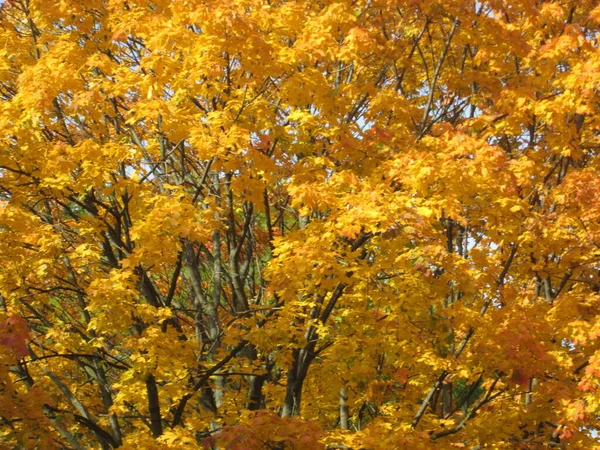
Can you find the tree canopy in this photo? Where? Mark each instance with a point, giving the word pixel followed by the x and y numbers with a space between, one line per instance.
pixel 299 224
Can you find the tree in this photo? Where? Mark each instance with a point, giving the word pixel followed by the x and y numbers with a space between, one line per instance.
pixel 299 224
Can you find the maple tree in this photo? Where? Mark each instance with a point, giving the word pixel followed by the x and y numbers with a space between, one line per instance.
pixel 299 224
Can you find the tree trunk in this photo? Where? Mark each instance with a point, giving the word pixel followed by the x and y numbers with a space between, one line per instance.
pixel 343 409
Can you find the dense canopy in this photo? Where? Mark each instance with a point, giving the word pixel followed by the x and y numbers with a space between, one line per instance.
pixel 299 224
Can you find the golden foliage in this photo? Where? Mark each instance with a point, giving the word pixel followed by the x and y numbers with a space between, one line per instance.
pixel 299 224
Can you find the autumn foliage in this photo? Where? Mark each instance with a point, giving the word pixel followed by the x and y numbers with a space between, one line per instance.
pixel 299 224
